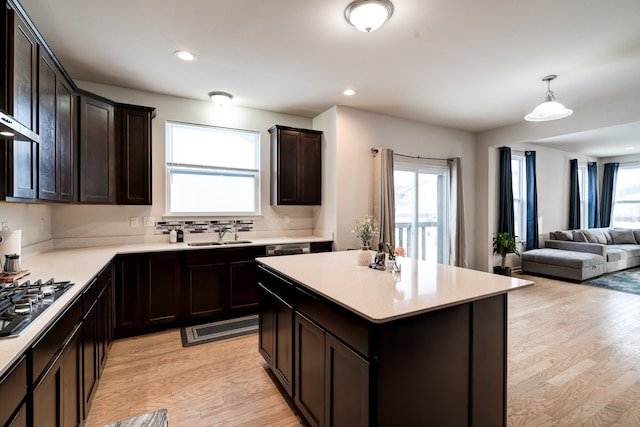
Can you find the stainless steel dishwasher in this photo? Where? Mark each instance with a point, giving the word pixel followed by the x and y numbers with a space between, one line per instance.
pixel 288 249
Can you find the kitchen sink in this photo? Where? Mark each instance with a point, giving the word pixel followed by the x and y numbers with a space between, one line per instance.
pixel 218 243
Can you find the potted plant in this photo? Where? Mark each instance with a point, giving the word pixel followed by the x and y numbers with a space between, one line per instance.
pixel 503 244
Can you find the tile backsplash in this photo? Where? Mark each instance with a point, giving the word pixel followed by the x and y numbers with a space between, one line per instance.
pixel 198 227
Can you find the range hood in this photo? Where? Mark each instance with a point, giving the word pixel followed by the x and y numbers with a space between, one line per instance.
pixel 10 128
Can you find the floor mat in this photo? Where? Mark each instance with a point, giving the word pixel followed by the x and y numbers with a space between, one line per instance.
pixel 624 281
pixel 159 418
pixel 215 331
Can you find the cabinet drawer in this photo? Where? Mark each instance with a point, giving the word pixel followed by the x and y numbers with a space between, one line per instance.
pixel 274 284
pixel 351 329
pixel 13 388
pixel 90 295
pixel 51 342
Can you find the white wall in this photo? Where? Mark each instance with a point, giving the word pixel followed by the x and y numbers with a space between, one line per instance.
pixel 358 131
pixel 33 219
pixel 74 224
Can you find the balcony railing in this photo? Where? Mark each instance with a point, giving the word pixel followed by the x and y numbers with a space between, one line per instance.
pixel 427 233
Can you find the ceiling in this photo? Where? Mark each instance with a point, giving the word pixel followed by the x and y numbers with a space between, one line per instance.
pixel 466 64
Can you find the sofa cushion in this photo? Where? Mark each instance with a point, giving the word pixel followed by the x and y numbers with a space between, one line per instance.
pixel 622 236
pixel 636 234
pixel 596 235
pixel 563 257
pixel 617 254
pixel 578 236
pixel 631 250
pixel 564 235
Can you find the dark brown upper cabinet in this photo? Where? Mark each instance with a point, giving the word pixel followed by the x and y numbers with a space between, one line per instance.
pixel 97 151
pixel 134 131
pixel 57 130
pixel 21 68
pixel 296 166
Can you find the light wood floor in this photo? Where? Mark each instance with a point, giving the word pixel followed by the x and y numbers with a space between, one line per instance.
pixel 573 360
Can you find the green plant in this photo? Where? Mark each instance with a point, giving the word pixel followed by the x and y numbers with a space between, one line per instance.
pixel 503 244
pixel 366 229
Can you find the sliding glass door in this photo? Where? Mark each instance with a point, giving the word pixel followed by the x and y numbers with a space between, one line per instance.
pixel 421 211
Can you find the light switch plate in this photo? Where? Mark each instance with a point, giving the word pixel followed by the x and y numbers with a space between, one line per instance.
pixel 149 221
pixel 133 221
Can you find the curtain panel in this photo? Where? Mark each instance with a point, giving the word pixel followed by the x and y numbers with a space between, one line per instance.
pixel 574 196
pixel 532 241
pixel 608 193
pixel 457 234
pixel 383 195
pixel 505 196
pixel 594 215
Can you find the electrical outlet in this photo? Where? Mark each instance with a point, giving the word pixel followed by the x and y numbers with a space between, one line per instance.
pixel 133 222
pixel 149 221
pixel 286 219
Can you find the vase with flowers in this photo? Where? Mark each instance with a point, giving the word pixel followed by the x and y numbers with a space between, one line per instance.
pixel 392 254
pixel 366 228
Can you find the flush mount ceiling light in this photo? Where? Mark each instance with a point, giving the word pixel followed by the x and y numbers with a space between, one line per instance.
pixel 368 15
pixel 220 98
pixel 549 109
pixel 349 92
pixel 185 55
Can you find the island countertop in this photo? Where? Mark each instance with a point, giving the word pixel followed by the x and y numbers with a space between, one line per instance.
pixel 380 296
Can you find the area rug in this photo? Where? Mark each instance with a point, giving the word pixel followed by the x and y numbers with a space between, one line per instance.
pixel 625 281
pixel 159 418
pixel 200 334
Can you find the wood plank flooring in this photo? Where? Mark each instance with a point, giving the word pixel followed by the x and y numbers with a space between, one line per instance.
pixel 573 360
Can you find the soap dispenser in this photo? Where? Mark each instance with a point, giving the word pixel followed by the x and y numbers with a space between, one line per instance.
pixel 180 235
pixel 173 236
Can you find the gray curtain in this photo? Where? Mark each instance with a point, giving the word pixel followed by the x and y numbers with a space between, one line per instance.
pixel 458 245
pixel 574 196
pixel 383 195
pixel 594 215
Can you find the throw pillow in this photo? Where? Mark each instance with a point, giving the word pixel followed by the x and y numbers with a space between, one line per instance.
pixel 578 236
pixel 594 236
pixel 564 235
pixel 622 237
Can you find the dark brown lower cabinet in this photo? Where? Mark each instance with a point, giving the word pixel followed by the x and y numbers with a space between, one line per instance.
pixel 443 367
pixel 90 356
pixel 208 290
pixel 56 396
pixel 332 381
pixel 13 389
pixel 276 336
pixel 147 292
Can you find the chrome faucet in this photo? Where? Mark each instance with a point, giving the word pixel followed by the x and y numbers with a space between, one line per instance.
pixel 235 230
pixel 221 232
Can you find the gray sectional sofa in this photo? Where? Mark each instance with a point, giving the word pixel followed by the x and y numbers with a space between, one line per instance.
pixel 583 254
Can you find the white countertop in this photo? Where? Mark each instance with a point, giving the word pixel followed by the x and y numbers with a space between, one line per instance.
pixel 80 266
pixel 380 296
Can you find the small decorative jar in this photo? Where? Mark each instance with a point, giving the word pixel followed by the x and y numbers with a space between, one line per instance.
pixel 364 256
pixel 393 266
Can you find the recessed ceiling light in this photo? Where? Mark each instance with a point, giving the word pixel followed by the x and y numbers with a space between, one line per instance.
pixel 185 55
pixel 349 92
pixel 630 148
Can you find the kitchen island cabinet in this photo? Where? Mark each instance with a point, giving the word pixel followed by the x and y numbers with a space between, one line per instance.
pixel 425 347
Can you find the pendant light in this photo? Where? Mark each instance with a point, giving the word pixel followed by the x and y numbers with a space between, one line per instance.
pixel 220 98
pixel 368 15
pixel 550 109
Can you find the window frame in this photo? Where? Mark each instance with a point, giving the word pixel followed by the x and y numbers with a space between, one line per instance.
pixel 211 171
pixel 520 227
pixel 632 224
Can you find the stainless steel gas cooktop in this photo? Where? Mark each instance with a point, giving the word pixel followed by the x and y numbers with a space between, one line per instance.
pixel 21 303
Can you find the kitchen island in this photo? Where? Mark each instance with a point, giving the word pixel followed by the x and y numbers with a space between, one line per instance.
pixel 357 346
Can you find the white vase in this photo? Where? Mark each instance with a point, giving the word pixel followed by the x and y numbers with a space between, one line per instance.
pixel 364 256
